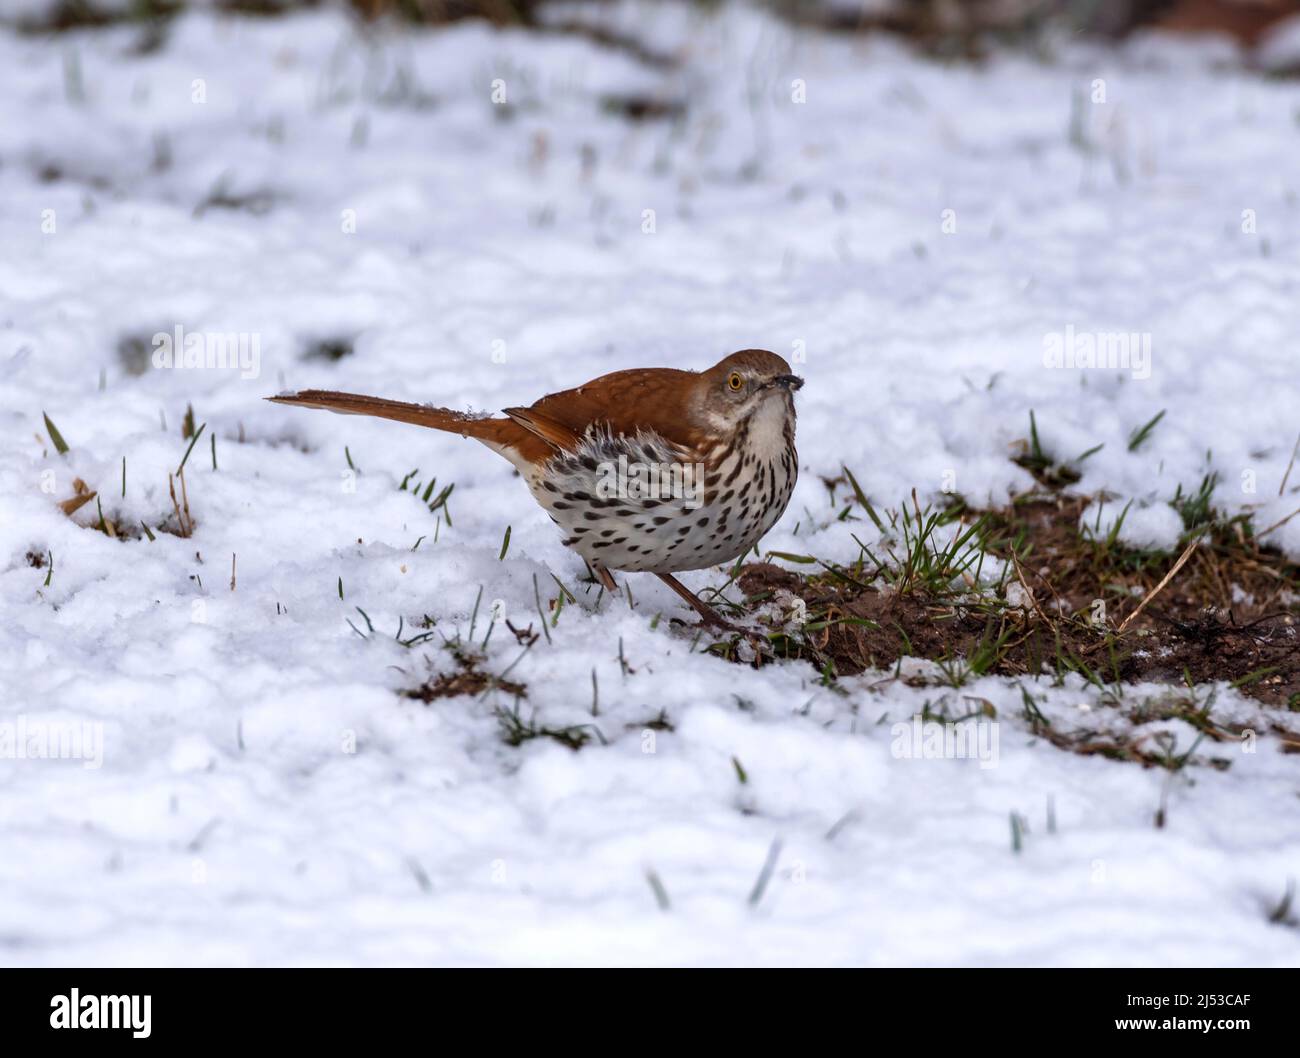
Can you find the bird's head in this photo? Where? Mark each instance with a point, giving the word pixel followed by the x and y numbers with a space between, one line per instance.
pixel 747 382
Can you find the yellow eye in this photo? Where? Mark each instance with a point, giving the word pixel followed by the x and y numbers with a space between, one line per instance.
pixel 735 381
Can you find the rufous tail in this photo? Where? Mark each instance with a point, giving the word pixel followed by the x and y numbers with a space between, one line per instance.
pixel 498 434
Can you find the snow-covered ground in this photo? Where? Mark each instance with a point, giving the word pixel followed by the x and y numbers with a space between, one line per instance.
pixel 918 237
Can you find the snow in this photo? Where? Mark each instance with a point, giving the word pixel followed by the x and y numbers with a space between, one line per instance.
pixel 1154 527
pixel 264 795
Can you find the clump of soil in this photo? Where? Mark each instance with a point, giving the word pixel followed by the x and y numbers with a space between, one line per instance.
pixel 514 727
pixel 467 678
pixel 1232 612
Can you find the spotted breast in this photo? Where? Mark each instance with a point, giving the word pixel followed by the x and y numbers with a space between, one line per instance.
pixel 642 504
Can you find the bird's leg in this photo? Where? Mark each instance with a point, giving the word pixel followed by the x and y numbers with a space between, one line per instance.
pixel 710 615
pixel 606 578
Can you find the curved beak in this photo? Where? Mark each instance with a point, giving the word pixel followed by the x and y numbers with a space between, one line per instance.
pixel 791 382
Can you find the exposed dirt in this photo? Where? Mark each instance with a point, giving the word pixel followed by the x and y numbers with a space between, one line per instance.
pixel 468 678
pixel 1232 612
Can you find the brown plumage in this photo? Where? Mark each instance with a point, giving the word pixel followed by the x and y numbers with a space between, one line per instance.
pixel 650 470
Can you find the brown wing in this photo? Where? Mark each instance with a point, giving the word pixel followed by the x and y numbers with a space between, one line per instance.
pixel 550 430
pixel 660 399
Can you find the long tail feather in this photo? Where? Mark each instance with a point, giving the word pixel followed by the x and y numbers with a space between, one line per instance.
pixel 505 435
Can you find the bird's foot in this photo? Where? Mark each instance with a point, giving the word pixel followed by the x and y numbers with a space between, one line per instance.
pixel 710 616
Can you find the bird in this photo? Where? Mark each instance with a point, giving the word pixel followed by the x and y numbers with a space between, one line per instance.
pixel 656 470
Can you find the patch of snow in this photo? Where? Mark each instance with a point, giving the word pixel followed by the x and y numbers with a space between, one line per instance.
pixel 1150 527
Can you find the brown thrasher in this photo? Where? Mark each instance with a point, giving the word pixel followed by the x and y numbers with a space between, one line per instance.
pixel 651 470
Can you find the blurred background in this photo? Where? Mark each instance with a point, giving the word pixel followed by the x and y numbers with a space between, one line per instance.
pixel 941 26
